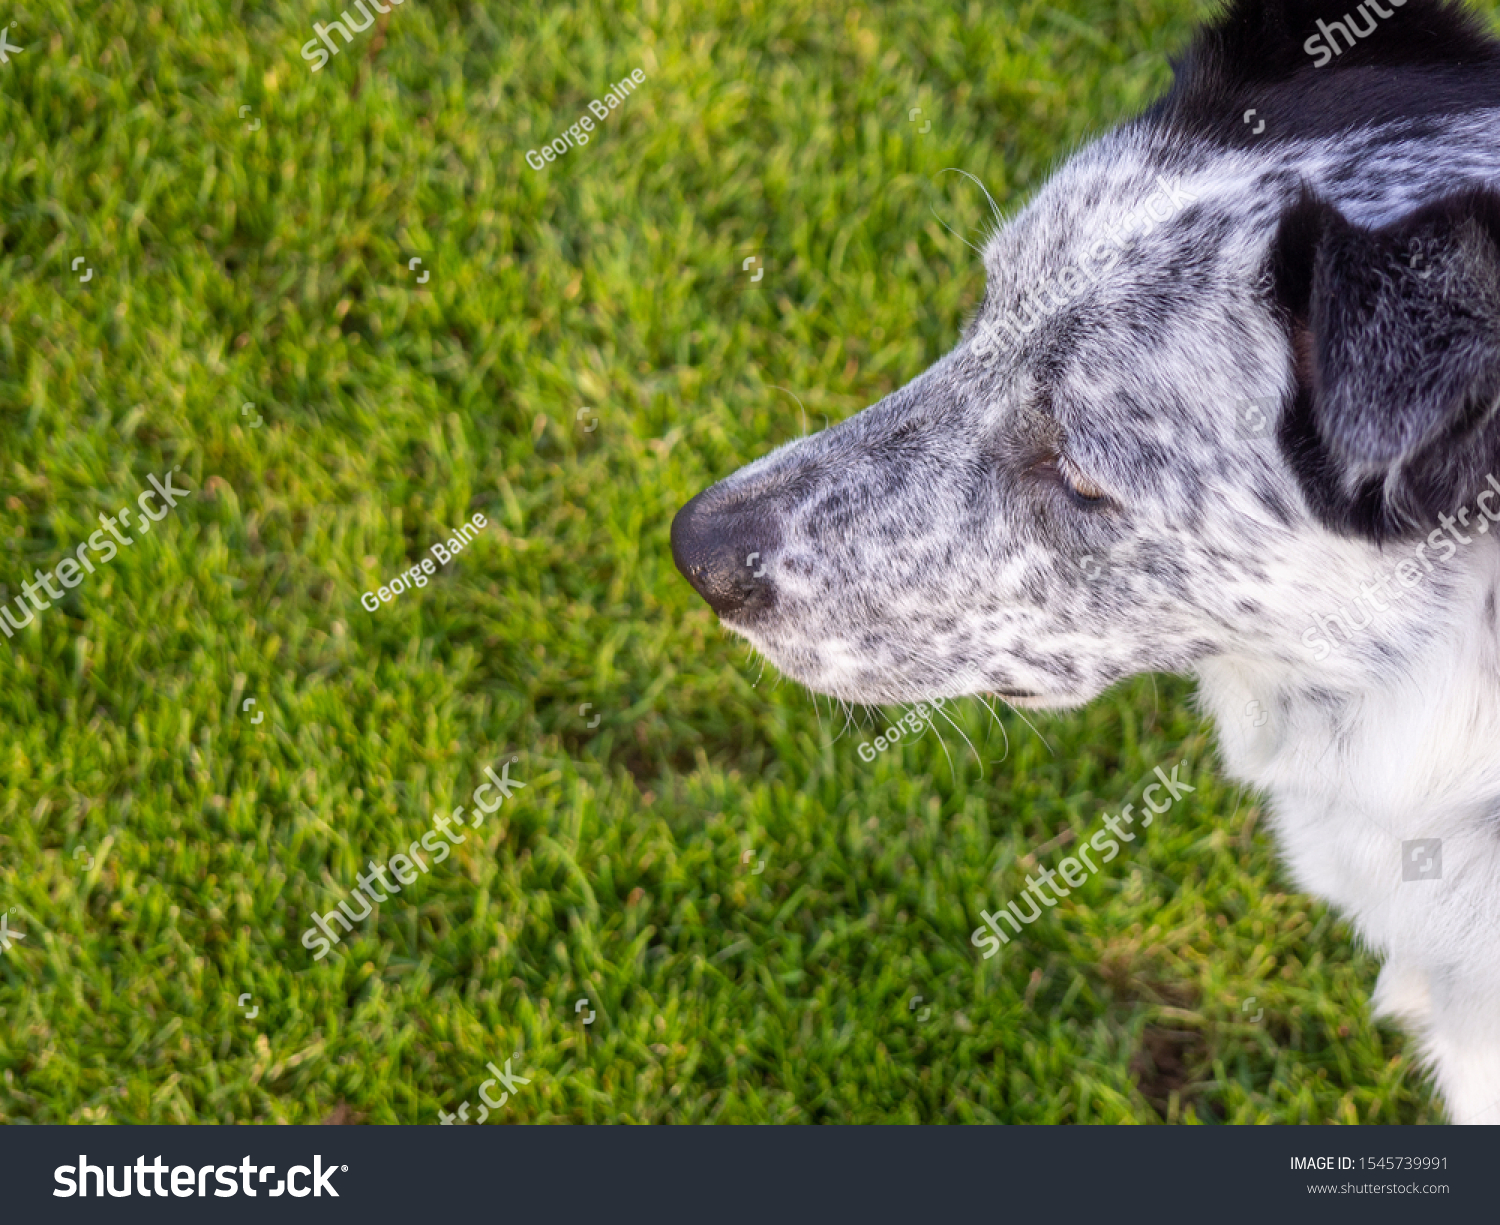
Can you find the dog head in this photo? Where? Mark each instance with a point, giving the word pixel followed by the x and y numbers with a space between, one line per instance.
pixel 1217 367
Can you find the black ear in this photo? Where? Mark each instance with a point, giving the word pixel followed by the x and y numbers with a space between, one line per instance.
pixel 1396 333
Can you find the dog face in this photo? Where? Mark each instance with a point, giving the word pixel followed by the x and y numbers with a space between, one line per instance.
pixel 1209 379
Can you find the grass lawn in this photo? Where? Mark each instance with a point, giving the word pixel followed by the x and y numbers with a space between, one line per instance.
pixel 748 907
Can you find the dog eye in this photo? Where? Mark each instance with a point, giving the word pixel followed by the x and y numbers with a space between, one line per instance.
pixel 1079 487
pixel 1053 468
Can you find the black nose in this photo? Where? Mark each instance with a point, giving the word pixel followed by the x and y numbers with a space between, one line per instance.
pixel 723 548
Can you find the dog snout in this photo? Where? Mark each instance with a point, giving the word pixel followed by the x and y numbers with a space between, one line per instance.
pixel 724 550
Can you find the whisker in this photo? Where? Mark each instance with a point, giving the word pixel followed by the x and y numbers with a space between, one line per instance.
pixel 848 708
pixel 966 740
pixel 793 394
pixel 953 773
pixel 977 251
pixel 998 724
pixel 994 208
pixel 1020 714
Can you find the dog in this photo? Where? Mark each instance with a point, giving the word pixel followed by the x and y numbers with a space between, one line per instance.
pixel 1235 359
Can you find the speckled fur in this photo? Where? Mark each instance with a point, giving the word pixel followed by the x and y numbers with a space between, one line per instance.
pixel 936 544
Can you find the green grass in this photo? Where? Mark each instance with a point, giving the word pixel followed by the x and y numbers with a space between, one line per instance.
pixel 270 267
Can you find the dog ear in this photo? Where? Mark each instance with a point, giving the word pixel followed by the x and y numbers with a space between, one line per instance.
pixel 1396 337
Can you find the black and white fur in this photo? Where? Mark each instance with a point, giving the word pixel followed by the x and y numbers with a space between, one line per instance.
pixel 1046 514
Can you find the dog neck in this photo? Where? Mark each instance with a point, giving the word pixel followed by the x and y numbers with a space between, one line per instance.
pixel 1401 730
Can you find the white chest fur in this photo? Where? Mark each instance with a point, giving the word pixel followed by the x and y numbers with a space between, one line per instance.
pixel 1382 769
